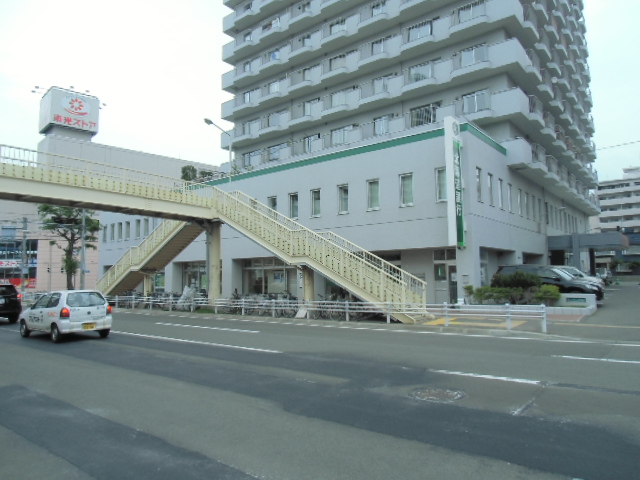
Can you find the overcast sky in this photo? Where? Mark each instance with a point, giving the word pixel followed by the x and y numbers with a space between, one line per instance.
pixel 156 65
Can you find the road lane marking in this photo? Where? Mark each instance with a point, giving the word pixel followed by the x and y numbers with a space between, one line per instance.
pixel 436 333
pixel 610 360
pixel 197 342
pixel 207 328
pixel 488 377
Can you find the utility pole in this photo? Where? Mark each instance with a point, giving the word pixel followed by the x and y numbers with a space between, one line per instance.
pixel 83 249
pixel 25 266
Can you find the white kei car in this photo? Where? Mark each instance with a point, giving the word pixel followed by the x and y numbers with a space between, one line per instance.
pixel 67 311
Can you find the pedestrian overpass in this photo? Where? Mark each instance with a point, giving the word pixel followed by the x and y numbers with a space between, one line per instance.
pixel 187 208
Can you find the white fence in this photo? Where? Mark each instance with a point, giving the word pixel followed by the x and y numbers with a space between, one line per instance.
pixel 340 310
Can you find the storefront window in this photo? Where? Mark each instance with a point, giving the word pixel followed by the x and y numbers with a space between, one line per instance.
pixel 263 276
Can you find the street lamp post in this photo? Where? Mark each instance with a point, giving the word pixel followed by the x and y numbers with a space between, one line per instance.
pixel 209 122
pixel 210 284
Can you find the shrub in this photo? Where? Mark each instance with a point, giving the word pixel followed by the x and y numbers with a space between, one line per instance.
pixel 521 284
pixel 546 294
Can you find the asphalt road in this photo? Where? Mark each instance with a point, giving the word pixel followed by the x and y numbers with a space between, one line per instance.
pixel 198 396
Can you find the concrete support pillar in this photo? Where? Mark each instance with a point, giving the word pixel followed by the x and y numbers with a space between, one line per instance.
pixel 308 287
pixel 147 285
pixel 213 246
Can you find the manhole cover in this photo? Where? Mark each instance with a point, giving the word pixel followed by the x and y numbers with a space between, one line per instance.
pixel 432 394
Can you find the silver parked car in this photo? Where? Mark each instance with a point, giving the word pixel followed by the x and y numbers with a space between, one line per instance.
pixel 67 311
pixel 577 273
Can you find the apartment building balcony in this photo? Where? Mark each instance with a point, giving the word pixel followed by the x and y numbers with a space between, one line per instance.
pixel 246 13
pixel 541 8
pixel 533 162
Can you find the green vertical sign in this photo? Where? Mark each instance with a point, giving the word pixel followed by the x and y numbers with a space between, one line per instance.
pixel 457 183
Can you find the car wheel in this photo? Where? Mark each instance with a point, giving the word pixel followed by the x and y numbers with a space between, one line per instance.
pixel 56 336
pixel 13 318
pixel 24 330
pixel 104 333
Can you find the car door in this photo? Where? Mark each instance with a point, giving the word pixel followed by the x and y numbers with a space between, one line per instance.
pixel 51 312
pixel 35 315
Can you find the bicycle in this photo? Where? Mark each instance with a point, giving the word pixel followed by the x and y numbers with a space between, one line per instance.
pixel 288 306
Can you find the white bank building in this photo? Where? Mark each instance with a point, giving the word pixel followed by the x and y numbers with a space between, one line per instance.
pixel 447 137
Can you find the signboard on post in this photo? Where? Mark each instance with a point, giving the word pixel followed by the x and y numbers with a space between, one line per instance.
pixel 453 162
pixel 69 109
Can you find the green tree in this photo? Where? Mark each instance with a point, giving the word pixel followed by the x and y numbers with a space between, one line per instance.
pixel 189 173
pixel 66 223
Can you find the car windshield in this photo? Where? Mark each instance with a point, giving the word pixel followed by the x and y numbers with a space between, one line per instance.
pixel 85 299
pixel 574 271
pixel 562 274
pixel 7 290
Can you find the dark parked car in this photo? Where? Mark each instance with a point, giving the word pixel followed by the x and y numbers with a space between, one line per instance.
pixel 10 302
pixel 555 276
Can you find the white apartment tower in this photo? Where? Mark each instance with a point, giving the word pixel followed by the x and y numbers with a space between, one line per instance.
pixel 344 113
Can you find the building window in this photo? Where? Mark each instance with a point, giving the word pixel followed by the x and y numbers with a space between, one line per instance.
pixel 423 115
pixel 307 142
pixel 381 125
pixel 373 194
pixel 247 36
pixel 251 158
pixel 490 188
pixel 475 102
pixel 112 232
pixel 119 231
pixel 274 87
pixel 473 55
pixel 420 30
pixel 379 46
pixel 381 84
pixel 145 229
pixel 526 204
pixel 337 62
pixel 305 40
pixel 337 26
pixel 420 72
pixel 378 8
pixel 520 202
pixel 343 198
pixel 274 151
pixel 272 203
pixel 339 98
pixel 339 136
pixel 104 234
pixel 251 95
pixel 441 184
pixel 510 198
pixel 471 11
pixel 500 194
pixel 479 184
pixel 534 211
pixel 293 205
pixel 273 55
pixel 127 230
pixel 315 203
pixel 308 105
pixel 406 190
pixel 307 73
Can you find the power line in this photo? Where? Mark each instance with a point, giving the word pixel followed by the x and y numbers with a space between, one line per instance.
pixel 619 145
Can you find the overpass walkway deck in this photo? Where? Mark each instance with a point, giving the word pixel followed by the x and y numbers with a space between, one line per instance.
pixel 39 177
